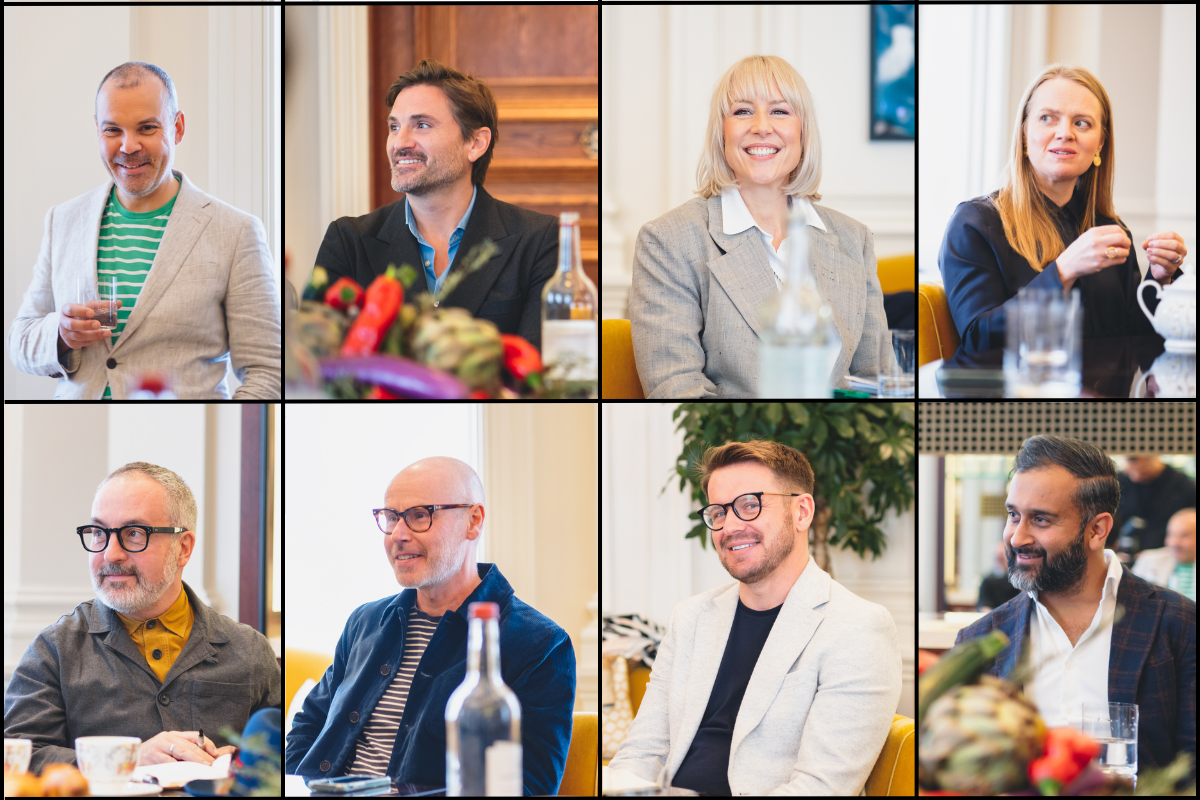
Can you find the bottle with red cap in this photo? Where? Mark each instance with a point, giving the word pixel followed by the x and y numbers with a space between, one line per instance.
pixel 483 718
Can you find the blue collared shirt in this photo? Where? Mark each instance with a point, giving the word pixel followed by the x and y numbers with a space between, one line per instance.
pixel 537 662
pixel 435 282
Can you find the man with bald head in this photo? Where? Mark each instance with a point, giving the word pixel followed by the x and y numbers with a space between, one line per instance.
pixel 380 709
pixel 195 283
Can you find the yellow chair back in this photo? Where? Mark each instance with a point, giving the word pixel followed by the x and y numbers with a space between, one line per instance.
pixel 937 336
pixel 582 775
pixel 897 273
pixel 299 665
pixel 618 372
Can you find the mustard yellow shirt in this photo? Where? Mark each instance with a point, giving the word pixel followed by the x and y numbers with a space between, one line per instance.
pixel 161 639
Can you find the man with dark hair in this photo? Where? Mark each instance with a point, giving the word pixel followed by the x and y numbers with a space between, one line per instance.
pixel 442 131
pixel 783 682
pixel 193 275
pixel 1061 500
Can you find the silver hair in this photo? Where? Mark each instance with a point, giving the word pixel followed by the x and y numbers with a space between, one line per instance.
pixel 131 74
pixel 181 504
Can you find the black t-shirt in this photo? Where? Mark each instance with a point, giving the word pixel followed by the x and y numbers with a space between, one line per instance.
pixel 705 768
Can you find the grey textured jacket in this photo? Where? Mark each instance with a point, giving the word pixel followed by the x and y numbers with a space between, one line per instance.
pixel 84 676
pixel 818 706
pixel 697 293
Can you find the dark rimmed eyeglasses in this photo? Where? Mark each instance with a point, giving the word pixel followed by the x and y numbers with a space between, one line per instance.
pixel 418 518
pixel 746 506
pixel 133 538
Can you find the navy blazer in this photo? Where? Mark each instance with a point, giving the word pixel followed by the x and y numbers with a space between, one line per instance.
pixel 982 275
pixel 1152 661
pixel 537 661
pixel 507 290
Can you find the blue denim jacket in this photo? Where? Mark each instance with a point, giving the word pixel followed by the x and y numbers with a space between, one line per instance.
pixel 537 661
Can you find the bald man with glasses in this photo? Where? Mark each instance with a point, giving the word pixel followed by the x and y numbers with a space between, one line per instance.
pixel 380 709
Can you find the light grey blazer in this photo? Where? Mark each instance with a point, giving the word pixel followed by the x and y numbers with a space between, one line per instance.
pixel 818 706
pixel 697 294
pixel 210 297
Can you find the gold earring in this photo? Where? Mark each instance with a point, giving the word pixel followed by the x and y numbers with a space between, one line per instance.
pixel 1096 159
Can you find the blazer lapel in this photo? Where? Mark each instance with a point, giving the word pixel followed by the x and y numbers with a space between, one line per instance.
pixel 743 271
pixel 1132 637
pixel 1015 624
pixel 713 627
pixel 396 245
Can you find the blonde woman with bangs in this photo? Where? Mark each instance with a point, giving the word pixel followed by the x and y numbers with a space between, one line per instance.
pixel 1053 225
pixel 703 271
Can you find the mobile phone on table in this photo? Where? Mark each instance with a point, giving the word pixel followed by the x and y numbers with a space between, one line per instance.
pixel 349 783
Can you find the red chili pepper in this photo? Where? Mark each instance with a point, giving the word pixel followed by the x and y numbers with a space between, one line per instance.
pixel 1053 771
pixel 383 299
pixel 520 357
pixel 344 293
pixel 479 394
pixel 379 393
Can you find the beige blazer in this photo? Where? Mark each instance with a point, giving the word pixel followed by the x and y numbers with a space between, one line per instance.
pixel 210 298
pixel 697 293
pixel 819 704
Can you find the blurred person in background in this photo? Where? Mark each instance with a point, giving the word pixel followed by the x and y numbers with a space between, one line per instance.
pixel 1173 566
pixel 1151 492
pixel 996 590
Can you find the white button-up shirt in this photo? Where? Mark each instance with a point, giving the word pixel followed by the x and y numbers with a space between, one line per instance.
pixel 736 217
pixel 1071 676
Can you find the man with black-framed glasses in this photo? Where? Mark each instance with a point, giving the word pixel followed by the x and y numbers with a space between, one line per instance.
pixel 148 658
pixel 782 683
pixel 380 709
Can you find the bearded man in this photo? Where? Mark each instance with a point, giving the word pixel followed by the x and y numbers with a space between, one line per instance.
pixel 1062 497
pixel 147 658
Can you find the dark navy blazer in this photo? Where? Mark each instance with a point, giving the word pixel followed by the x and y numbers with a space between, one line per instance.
pixel 537 662
pixel 982 274
pixel 1152 661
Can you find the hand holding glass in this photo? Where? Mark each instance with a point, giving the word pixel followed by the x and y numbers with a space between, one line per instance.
pixel 79 323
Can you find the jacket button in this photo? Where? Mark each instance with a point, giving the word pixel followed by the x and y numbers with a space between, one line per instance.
pixel 111 363
pixel 157 654
pixel 354 716
pixel 385 669
pixel 325 765
pixel 164 699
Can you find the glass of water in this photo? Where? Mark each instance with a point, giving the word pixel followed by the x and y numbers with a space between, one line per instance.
pixel 1115 727
pixel 106 310
pixel 898 379
pixel 1044 353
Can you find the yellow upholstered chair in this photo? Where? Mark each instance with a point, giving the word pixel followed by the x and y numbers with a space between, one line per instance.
pixel 298 665
pixel 895 770
pixel 897 273
pixel 937 336
pixel 582 775
pixel 894 773
pixel 618 372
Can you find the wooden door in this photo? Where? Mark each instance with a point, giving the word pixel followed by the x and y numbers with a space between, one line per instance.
pixel 541 62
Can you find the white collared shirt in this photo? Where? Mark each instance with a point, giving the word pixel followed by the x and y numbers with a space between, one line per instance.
pixel 1071 676
pixel 736 217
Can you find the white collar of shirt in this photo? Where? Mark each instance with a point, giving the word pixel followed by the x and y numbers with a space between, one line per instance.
pixel 736 217
pixel 1071 676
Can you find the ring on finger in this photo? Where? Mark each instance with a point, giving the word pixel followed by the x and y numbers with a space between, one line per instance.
pixel 1111 252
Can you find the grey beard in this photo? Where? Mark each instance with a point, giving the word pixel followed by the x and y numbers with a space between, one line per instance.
pixel 144 594
pixel 1060 573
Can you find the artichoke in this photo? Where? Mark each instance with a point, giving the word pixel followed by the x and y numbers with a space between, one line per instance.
pixel 980 739
pixel 451 340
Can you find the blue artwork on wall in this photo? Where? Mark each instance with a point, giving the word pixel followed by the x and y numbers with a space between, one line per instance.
pixel 893 72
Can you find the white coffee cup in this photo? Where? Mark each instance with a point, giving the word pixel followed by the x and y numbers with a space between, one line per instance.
pixel 107 761
pixel 17 753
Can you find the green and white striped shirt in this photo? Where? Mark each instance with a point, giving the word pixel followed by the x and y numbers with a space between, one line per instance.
pixel 127 246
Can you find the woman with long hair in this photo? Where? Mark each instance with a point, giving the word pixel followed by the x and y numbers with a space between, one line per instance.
pixel 1052 225
pixel 703 271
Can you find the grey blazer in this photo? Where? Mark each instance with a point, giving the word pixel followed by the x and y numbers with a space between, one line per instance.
pixel 210 297
pixel 697 293
pixel 818 706
pixel 84 676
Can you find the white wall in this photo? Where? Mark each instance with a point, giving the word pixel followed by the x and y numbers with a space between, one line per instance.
pixel 649 566
pixel 661 64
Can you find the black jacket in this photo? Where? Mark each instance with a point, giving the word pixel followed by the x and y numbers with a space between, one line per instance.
pixel 507 290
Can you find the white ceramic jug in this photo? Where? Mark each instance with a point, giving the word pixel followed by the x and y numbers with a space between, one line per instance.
pixel 1175 317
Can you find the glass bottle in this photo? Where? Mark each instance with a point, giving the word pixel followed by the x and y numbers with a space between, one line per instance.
pixel 800 343
pixel 483 718
pixel 569 327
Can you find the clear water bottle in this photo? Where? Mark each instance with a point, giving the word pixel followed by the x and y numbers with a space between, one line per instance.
pixel 800 343
pixel 483 718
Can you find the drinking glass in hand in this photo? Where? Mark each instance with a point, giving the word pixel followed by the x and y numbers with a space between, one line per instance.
pixel 106 309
